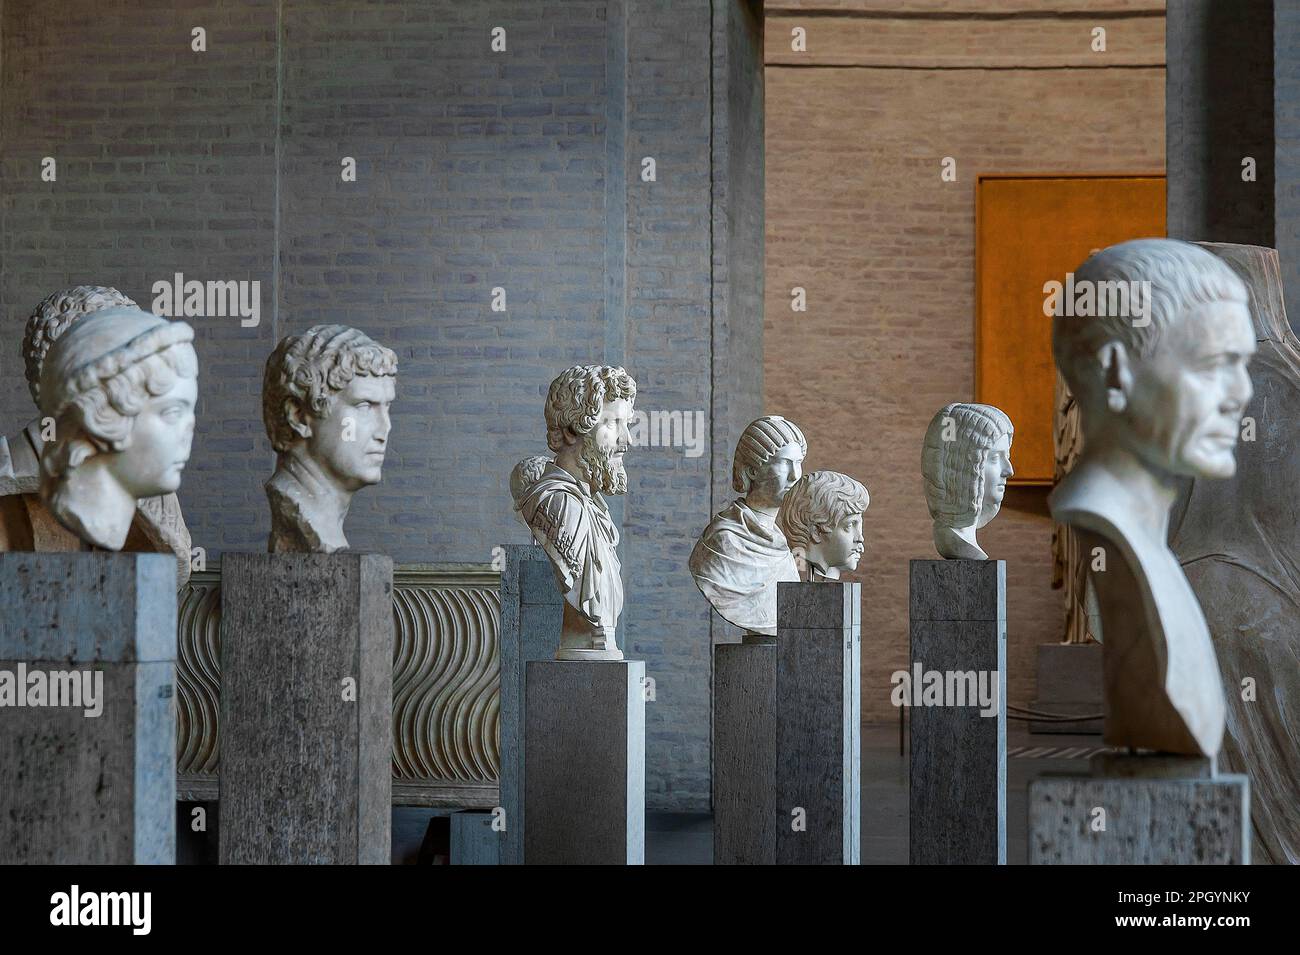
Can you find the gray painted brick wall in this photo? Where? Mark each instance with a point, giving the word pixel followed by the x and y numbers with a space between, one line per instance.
pixel 474 169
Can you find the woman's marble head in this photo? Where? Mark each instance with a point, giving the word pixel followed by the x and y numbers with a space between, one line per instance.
pixel 768 460
pixel 966 461
pixel 120 386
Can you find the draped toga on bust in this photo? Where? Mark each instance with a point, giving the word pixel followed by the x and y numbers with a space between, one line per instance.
pixel 737 563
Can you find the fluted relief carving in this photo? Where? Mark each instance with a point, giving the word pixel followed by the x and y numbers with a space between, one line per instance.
pixel 446 685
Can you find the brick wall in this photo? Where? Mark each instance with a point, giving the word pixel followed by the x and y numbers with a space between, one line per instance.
pixel 857 215
pixel 474 170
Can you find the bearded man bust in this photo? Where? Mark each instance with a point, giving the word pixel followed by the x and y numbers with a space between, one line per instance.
pixel 588 408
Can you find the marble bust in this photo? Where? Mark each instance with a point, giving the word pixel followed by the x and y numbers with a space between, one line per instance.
pixel 821 517
pixel 121 386
pixel 25 522
pixel 742 554
pixel 326 396
pixel 588 408
pixel 1159 400
pixel 965 461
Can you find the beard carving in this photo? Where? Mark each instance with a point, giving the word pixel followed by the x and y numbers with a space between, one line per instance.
pixel 599 468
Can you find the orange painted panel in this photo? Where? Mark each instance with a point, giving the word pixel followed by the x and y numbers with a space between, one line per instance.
pixel 1031 230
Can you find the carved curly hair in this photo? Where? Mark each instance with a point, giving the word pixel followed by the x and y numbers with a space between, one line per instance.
pixel 310 369
pixel 51 318
pixel 578 394
pixel 818 501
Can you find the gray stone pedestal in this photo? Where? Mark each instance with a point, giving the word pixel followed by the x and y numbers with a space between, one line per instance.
pixel 87 789
pixel 958 770
pixel 787 747
pixel 532 615
pixel 306 708
pixel 584 768
pixel 744 753
pixel 1140 810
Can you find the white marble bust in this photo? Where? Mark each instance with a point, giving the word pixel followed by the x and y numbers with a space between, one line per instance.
pixel 588 408
pixel 965 461
pixel 121 385
pixel 326 398
pixel 742 555
pixel 821 517
pixel 1160 398
pixel 25 521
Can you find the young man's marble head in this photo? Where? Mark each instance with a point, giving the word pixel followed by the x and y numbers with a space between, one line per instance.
pixel 588 409
pixel 121 386
pixel 53 316
pixel 1169 385
pixel 821 517
pixel 768 461
pixel 326 397
pixel 966 461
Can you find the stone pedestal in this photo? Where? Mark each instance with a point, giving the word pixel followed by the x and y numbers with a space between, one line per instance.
pixel 1069 684
pixel 1140 810
pixel 958 769
pixel 786 744
pixel 473 839
pixel 306 708
pixel 744 753
pixel 532 615
pixel 584 768
pixel 92 781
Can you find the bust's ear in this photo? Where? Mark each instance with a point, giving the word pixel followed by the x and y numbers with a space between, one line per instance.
pixel 294 417
pixel 1118 371
pixel 570 437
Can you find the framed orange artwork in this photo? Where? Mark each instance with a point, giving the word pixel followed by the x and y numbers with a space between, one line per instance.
pixel 1029 230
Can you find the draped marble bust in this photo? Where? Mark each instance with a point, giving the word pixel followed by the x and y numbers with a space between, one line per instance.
pixel 588 409
pixel 1160 400
pixel 326 397
pixel 25 522
pixel 121 386
pixel 742 554
pixel 966 461
pixel 821 517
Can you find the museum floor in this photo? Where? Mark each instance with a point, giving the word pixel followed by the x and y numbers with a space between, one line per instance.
pixel 687 838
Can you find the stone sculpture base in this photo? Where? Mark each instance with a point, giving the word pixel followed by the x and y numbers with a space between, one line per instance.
pixel 473 840
pixel 787 748
pixel 1140 810
pixel 79 789
pixel 1069 684
pixel 532 614
pixel 306 708
pixel 584 768
pixel 958 767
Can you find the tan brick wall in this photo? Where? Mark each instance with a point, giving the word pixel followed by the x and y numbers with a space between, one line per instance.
pixel 857 215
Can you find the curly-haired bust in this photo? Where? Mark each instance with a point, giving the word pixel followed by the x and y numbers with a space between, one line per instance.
pixel 742 555
pixel 966 461
pixel 588 408
pixel 120 385
pixel 326 397
pixel 821 517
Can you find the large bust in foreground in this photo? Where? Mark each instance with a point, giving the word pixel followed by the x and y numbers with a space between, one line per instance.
pixel 326 397
pixel 588 408
pixel 120 386
pixel 25 522
pixel 742 555
pixel 1161 397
